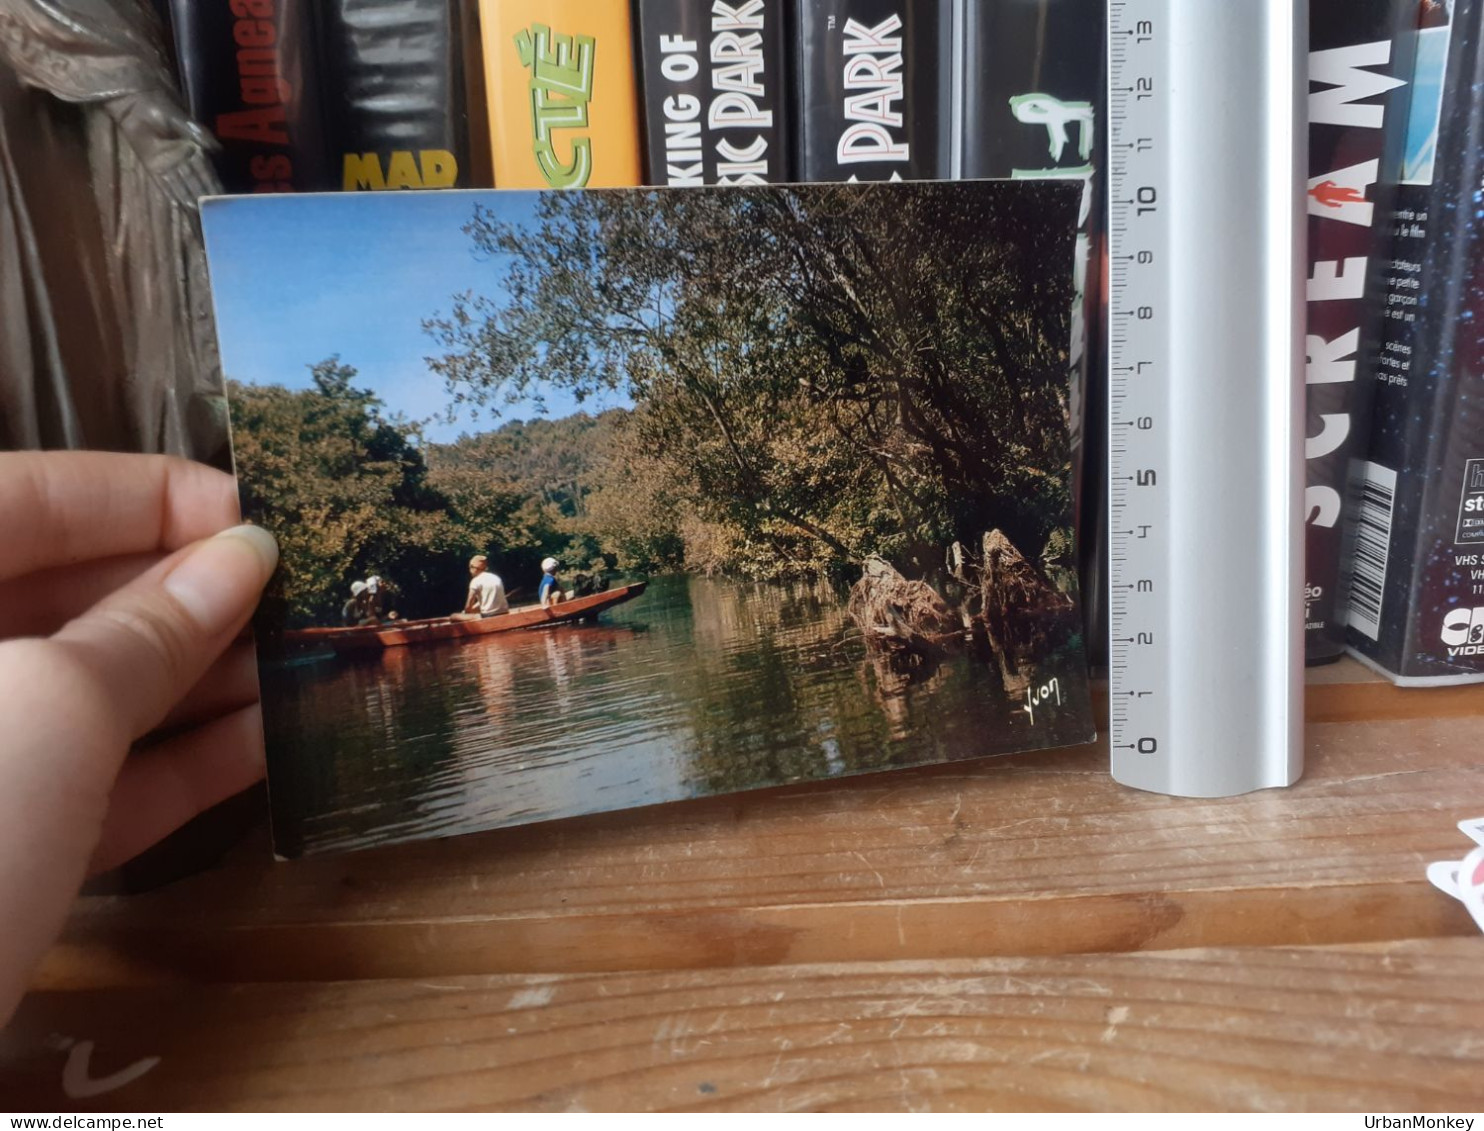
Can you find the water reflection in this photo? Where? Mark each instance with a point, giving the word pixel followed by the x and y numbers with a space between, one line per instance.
pixel 699 687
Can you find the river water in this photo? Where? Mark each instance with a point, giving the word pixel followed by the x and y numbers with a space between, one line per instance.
pixel 697 687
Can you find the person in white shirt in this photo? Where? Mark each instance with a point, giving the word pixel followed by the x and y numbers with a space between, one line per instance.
pixel 353 610
pixel 380 594
pixel 486 590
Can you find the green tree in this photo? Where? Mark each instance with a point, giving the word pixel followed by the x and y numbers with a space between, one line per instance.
pixel 523 489
pixel 823 373
pixel 344 489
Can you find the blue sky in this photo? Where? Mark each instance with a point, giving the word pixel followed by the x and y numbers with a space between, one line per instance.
pixel 298 278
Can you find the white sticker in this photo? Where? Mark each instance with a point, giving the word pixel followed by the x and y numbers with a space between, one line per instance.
pixel 1464 879
pixel 1473 829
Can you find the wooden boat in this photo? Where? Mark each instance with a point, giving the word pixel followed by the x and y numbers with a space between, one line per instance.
pixel 393 634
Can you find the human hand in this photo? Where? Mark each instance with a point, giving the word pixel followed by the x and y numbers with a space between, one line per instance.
pixel 118 616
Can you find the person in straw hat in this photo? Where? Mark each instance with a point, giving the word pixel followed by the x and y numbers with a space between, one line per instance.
pixel 486 591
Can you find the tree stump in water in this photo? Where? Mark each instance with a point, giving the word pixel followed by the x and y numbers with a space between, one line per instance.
pixel 907 619
pixel 1024 615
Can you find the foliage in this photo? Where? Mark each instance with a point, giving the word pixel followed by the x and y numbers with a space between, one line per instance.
pixel 344 489
pixel 820 375
pixel 351 493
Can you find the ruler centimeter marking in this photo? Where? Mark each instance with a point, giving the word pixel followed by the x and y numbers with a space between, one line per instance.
pixel 1206 223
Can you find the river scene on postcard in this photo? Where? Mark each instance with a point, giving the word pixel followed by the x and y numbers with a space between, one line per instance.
pixel 697 687
pixel 829 425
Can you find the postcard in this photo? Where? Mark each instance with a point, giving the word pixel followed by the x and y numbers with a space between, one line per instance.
pixel 599 499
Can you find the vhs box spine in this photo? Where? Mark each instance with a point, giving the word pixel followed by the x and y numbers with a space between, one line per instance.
pixel 1416 599
pixel 248 69
pixel 393 88
pixel 1358 100
pixel 873 90
pixel 714 91
pixel 563 93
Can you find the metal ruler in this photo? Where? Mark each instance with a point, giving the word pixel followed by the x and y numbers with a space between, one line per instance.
pixel 1206 221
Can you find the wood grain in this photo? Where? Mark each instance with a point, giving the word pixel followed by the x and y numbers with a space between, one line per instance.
pixel 1017 933
pixel 1347 690
pixel 1029 855
pixel 1381 1028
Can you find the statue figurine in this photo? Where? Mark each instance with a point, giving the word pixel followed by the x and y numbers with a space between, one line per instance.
pixel 106 332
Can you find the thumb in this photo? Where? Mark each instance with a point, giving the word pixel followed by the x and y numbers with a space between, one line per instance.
pixel 146 645
pixel 72 704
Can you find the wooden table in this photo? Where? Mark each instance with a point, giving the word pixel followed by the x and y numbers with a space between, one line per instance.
pixel 1013 933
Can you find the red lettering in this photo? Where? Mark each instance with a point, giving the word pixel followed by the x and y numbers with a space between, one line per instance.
pixel 265 126
pixel 259 82
pixel 257 61
pixel 252 9
pixel 271 166
pixel 258 92
pixel 254 33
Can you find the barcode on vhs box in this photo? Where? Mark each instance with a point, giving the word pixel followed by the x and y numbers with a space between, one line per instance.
pixel 1372 545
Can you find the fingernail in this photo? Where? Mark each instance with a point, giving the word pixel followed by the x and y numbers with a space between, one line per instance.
pixel 260 540
pixel 221 577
